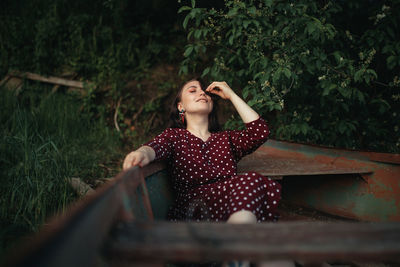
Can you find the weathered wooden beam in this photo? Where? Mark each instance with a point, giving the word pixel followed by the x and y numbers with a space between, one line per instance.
pixel 49 79
pixel 308 241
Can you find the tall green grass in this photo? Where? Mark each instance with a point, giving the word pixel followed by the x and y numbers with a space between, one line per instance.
pixel 44 141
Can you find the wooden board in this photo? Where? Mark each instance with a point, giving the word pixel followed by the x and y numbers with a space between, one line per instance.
pixel 309 241
pixel 273 162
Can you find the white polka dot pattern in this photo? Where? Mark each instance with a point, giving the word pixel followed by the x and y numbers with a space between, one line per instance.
pixel 205 175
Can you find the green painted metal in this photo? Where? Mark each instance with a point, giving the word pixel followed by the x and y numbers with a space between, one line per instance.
pixel 160 193
pixel 365 197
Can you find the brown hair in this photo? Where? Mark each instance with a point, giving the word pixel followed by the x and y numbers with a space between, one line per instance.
pixel 175 120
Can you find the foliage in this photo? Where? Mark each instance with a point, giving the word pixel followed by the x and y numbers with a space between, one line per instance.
pixel 45 140
pixel 107 42
pixel 329 70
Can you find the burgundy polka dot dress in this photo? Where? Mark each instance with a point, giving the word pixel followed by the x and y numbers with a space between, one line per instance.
pixel 205 177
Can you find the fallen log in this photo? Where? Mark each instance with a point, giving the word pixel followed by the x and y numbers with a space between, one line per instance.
pixel 49 79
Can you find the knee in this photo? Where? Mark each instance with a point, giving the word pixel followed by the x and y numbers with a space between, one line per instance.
pixel 243 216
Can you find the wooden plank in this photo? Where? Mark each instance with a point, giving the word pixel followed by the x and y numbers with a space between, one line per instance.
pixel 308 241
pixel 287 166
pixel 276 158
pixel 50 79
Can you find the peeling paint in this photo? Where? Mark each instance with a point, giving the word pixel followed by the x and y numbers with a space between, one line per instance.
pixel 374 197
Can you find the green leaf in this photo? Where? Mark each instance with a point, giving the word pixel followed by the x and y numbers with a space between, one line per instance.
pixel 287 73
pixel 268 3
pixel 360 96
pixel 342 127
pixel 372 73
pixel 188 51
pixel 345 92
pixel 205 71
pixel 193 3
pixel 232 12
pixel 252 10
pixel 337 56
pixel 310 28
pixel 297 129
pixel 230 41
pixel 186 21
pixel 387 49
pixel 197 34
pixel 189 35
pixel 358 75
pixel 184 8
pixel 391 62
pixel 277 75
pixel 184 69
pixel 246 23
pixel 328 88
pixel 304 129
pixel 351 126
pixel 318 63
pixel 245 93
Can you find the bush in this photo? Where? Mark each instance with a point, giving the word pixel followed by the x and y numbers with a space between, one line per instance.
pixel 329 70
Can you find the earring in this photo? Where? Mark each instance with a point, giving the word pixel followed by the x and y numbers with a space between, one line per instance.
pixel 182 114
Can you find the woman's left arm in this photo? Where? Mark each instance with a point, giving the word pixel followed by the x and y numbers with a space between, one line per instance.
pixel 224 91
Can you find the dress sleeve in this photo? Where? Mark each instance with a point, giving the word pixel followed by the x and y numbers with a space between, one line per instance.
pixel 246 141
pixel 162 144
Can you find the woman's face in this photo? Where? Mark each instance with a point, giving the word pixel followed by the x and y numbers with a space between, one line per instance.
pixel 194 99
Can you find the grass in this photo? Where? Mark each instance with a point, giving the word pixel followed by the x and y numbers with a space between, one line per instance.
pixel 45 139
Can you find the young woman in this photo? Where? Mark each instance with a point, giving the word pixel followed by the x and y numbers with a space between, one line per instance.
pixel 203 161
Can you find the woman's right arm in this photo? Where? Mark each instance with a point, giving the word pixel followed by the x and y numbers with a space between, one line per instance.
pixel 160 148
pixel 142 156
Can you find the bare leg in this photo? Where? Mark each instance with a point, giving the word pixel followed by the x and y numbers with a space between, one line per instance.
pixel 281 263
pixel 243 216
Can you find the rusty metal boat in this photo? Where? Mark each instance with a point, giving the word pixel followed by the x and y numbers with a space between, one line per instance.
pixel 123 224
pixel 364 186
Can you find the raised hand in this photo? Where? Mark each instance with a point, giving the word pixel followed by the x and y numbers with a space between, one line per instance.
pixel 224 91
pixel 221 89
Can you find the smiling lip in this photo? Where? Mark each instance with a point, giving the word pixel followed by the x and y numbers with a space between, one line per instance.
pixel 202 99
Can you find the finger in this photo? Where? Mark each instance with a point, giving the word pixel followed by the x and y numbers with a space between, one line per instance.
pixel 135 161
pixel 213 89
pixel 211 86
pixel 125 165
pixel 128 162
pixel 138 160
pixel 144 162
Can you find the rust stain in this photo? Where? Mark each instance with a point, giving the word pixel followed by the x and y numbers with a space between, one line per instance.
pixel 379 189
pixel 272 161
pixel 382 157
